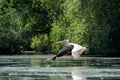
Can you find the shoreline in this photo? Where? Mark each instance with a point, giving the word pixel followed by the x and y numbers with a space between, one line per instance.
pixel 50 56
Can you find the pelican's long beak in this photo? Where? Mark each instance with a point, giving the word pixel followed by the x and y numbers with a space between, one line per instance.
pixel 60 42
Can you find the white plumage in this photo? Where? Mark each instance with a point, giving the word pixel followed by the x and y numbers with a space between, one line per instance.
pixel 77 50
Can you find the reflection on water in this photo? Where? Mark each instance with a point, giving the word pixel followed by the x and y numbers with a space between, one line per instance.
pixel 61 69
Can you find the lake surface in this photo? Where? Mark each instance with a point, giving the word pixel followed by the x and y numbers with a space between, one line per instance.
pixel 64 68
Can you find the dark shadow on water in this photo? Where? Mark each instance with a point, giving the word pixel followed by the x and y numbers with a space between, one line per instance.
pixel 61 69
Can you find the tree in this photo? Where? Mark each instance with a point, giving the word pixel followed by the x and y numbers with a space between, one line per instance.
pixel 10 27
pixel 31 19
pixel 92 23
pixel 39 24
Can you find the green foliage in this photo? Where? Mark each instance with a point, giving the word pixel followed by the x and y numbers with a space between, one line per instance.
pixel 39 24
pixel 10 27
pixel 105 21
pixel 70 25
pixel 92 23
pixel 40 43
pixel 35 43
pixel 19 23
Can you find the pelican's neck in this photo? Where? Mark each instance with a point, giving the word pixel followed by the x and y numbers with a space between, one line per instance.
pixel 66 42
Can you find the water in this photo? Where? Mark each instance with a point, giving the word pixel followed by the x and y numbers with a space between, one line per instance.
pixel 65 68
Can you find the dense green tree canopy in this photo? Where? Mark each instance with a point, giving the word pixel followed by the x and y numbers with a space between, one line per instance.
pixel 39 24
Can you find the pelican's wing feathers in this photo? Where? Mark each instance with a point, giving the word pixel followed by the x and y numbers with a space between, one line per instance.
pixel 67 49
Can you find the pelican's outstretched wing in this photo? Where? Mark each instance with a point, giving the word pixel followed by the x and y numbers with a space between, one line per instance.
pixel 66 50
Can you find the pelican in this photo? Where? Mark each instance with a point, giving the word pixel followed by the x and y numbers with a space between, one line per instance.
pixel 72 49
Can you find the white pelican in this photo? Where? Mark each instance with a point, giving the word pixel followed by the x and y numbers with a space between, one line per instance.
pixel 72 49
